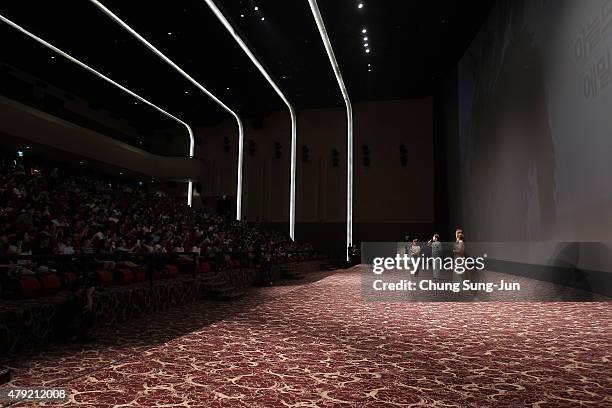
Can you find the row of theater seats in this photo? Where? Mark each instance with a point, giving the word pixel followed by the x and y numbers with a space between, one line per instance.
pixel 34 286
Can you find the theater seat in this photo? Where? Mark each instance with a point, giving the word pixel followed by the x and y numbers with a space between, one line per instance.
pixel 50 284
pixel 123 276
pixel 105 278
pixel 139 275
pixel 68 279
pixel 30 287
pixel 172 271
pixel 157 274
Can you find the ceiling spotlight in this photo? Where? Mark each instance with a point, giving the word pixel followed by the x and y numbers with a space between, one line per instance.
pixel 263 18
pixel 360 6
pixel 186 92
pixel 369 70
pixel 256 8
pixel 365 45
pixel 53 57
pixel 364 31
pixel 169 33
pixel 242 16
pixel 369 65
pixel 365 38
pixel 367 50
pixel 227 88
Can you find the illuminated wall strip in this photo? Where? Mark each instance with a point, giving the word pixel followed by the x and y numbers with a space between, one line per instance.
pixel 349 122
pixel 263 71
pixel 189 193
pixel 107 79
pixel 199 86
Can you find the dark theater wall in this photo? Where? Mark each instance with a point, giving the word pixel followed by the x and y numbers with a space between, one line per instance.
pixel 391 200
pixel 529 155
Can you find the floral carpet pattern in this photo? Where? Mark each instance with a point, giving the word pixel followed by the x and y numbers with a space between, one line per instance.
pixel 319 344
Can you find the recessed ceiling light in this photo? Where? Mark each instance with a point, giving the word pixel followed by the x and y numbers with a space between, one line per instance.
pixel 368 50
pixel 365 45
pixel 369 65
pixel 364 31
pixel 256 8
pixel 169 33
pixel 186 92
pixel 242 16
pixel 369 70
pixel 365 38
pixel 227 88
pixel 53 57
pixel 263 18
pixel 360 5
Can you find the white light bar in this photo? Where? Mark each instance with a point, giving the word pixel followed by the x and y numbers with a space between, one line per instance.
pixel 263 71
pixel 349 122
pixel 107 79
pixel 199 86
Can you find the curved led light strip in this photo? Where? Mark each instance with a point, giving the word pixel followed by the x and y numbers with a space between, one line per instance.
pixel 199 86
pixel 263 71
pixel 349 126
pixel 107 79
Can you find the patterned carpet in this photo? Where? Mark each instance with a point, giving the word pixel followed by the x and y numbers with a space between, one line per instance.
pixel 319 345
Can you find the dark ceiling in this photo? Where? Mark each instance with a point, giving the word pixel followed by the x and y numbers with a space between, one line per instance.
pixel 412 43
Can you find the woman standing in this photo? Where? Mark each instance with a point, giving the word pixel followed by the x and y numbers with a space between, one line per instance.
pixel 459 250
pixel 436 250
pixel 415 252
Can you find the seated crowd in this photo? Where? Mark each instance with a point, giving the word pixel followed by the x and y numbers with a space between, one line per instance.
pixel 45 212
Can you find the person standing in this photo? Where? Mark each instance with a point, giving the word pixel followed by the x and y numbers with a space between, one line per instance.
pixel 436 250
pixel 459 251
pixel 415 252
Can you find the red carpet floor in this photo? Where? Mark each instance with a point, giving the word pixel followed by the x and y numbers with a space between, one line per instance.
pixel 320 345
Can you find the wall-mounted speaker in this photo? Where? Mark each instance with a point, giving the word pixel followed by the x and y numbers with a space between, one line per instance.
pixel 278 150
pixel 366 156
pixel 226 144
pixel 305 154
pixel 335 156
pixel 403 155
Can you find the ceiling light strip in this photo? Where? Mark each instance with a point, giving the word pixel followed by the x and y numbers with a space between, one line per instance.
pixel 349 122
pixel 107 79
pixel 199 86
pixel 263 71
